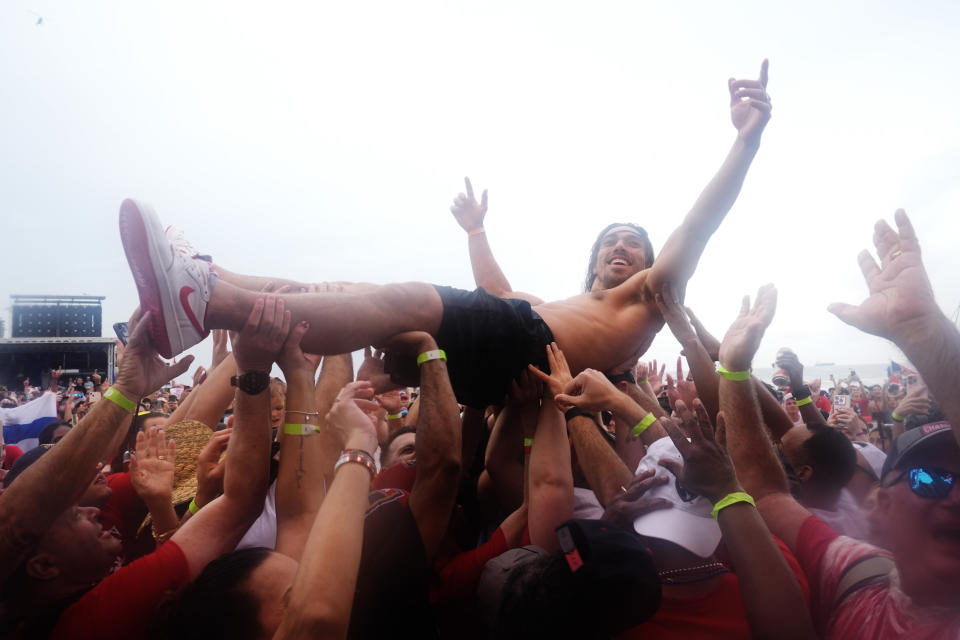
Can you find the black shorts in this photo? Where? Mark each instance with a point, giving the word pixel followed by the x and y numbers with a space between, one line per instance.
pixel 489 341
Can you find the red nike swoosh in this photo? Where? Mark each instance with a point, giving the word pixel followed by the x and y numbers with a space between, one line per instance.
pixel 184 293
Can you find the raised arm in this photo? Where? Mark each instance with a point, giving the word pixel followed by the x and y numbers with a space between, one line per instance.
pixel 757 466
pixel 772 598
pixel 551 477
pixel 38 497
pixel 217 528
pixel 789 362
pixel 319 607
pixel 901 308
pixel 750 112
pixel 300 482
pixel 486 272
pixel 438 449
pixel 700 363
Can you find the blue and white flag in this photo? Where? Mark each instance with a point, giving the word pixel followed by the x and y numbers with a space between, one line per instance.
pixel 22 425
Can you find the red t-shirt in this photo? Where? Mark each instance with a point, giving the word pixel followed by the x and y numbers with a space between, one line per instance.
pixel 459 577
pixel 10 454
pixel 125 511
pixel 880 610
pixel 121 604
pixel 822 403
pixel 718 614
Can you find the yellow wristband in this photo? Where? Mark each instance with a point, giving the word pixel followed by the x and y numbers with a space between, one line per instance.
pixel 733 375
pixel 433 354
pixel 730 499
pixel 896 416
pixel 192 507
pixel 394 416
pixel 300 429
pixel 120 400
pixel 643 425
pixel 803 401
pixel 640 383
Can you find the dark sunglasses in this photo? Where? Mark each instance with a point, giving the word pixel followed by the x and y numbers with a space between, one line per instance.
pixel 928 482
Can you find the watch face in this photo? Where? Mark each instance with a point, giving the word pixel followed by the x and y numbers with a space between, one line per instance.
pixel 252 382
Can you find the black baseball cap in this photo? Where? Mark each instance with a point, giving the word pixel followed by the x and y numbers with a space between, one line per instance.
pixel 937 433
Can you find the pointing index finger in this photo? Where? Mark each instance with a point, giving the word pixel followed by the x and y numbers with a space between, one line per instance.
pixel 466 181
pixel 763 72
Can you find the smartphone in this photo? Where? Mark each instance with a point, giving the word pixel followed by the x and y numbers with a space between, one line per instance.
pixel 841 400
pixel 122 331
pixel 893 387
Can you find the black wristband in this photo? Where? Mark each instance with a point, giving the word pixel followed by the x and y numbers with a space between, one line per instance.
pixel 800 394
pixel 577 412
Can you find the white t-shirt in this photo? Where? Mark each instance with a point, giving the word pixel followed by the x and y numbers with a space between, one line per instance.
pixel 263 532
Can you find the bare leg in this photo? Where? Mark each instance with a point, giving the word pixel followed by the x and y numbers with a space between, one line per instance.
pixel 257 283
pixel 339 323
pixel 252 283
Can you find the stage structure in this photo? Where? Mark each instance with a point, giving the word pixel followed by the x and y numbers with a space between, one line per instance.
pixel 48 332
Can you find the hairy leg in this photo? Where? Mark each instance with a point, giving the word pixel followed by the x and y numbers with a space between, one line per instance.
pixel 339 322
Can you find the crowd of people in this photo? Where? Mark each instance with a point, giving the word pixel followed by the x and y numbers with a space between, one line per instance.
pixel 497 466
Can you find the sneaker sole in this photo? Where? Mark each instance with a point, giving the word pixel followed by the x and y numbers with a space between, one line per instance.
pixel 141 256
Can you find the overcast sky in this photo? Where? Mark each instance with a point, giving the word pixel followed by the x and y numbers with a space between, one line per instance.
pixel 325 141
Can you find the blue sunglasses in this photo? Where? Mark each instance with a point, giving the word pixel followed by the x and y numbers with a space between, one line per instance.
pixel 928 482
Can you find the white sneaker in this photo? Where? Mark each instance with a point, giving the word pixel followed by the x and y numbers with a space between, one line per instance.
pixel 175 289
pixel 179 241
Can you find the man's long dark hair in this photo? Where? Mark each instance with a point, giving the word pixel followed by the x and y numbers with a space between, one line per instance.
pixel 647 251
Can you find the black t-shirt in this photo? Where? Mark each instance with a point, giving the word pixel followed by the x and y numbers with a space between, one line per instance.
pixel 392 597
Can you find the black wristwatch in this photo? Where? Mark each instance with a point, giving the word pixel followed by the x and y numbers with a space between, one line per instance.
pixel 577 412
pixel 251 382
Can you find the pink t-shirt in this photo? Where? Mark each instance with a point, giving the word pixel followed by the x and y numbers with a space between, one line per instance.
pixel 880 610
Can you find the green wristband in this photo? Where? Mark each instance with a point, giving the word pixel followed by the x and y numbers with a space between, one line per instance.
pixel 803 401
pixel 733 498
pixel 733 375
pixel 120 400
pixel 643 425
pixel 896 416
pixel 299 429
pixel 433 354
pixel 394 416
pixel 192 507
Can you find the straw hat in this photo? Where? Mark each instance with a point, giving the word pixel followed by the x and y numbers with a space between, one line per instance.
pixel 191 437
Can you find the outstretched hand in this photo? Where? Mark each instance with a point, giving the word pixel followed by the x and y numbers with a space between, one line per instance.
pixel 258 344
pixel 141 370
pixel 467 211
pixel 292 360
pixel 631 503
pixel 750 105
pixel 590 390
pixel 151 468
pixel 559 370
pixel 790 362
pixel 353 414
pixel 707 469
pixel 900 292
pixel 673 314
pixel 744 335
pixel 709 342
pixel 210 467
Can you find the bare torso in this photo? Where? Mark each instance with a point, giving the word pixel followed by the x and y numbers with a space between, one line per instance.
pixel 605 330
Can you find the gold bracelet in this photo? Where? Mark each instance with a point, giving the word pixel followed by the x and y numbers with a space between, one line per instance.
pixel 160 538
